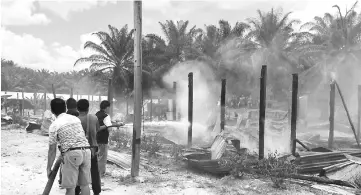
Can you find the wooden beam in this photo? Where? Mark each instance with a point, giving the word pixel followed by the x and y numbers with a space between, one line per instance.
pixel 110 96
pixel 71 92
pixel 45 101
pixel 302 144
pixel 262 110
pixel 151 108
pixel 223 104
pixel 137 124
pixel 53 89
pixel 348 114
pixel 190 108
pixel 17 100
pixel 332 114
pixel 359 114
pixel 294 112
pixel 35 101
pixel 174 101
pixel 23 101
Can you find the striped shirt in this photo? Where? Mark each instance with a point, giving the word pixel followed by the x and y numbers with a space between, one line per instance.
pixel 68 132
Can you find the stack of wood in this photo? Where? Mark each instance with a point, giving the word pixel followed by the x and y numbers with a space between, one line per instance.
pixel 314 163
pixel 349 171
pixel 123 160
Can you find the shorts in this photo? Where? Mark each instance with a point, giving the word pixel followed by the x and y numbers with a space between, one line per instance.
pixel 76 168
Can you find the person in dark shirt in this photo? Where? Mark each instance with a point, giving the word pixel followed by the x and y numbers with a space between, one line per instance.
pixel 91 127
pixel 71 106
pixel 103 135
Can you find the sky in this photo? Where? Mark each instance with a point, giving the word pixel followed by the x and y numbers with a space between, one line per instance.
pixel 51 34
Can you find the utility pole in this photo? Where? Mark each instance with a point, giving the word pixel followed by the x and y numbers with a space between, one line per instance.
pixel 137 88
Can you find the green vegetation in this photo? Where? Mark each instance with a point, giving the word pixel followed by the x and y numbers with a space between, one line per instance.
pixel 332 41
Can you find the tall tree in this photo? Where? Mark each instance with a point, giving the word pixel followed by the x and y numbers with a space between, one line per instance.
pixel 114 54
pixel 271 41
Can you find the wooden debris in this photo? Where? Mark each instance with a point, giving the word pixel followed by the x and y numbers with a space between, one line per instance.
pixel 349 171
pixel 123 160
pixel 218 147
pixel 314 163
pixel 333 189
pixel 321 180
pixel 303 145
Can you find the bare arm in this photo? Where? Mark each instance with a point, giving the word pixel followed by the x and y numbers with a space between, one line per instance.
pixel 52 147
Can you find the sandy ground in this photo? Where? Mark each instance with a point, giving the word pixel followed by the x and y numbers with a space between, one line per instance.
pixel 23 171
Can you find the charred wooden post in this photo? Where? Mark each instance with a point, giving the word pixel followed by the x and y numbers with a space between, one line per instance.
pixel 137 124
pixel 18 102
pixel 71 92
pixel 348 114
pixel 359 114
pixel 332 114
pixel 151 109
pixel 23 108
pixel 45 101
pixel 223 104
pixel 35 102
pixel 53 88
pixel 110 96
pixel 190 108
pixel 302 144
pixel 174 101
pixel 6 107
pixel 294 112
pixel 262 110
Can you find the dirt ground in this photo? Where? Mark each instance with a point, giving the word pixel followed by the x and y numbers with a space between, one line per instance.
pixel 23 171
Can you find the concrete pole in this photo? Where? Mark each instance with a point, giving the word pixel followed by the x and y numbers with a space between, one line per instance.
pixel 137 88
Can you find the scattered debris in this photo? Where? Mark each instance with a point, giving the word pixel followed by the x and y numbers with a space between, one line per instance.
pixel 314 163
pixel 349 171
pixel 123 160
pixel 218 147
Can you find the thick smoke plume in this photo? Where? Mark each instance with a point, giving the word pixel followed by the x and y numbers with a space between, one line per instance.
pixel 206 93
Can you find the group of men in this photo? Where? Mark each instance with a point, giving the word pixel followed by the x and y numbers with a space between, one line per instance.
pixel 82 139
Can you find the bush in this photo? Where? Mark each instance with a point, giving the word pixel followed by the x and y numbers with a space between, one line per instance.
pixel 18 120
pixel 176 152
pixel 122 139
pixel 276 168
pixel 150 144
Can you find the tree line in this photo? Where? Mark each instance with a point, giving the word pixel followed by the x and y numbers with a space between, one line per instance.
pixel 330 42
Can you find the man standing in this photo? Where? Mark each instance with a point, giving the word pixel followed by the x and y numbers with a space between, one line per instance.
pixel 68 132
pixel 71 106
pixel 72 110
pixel 103 135
pixel 91 127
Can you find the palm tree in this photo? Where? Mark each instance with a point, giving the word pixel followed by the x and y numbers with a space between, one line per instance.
pixel 178 44
pixel 271 41
pixel 114 54
pixel 334 44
